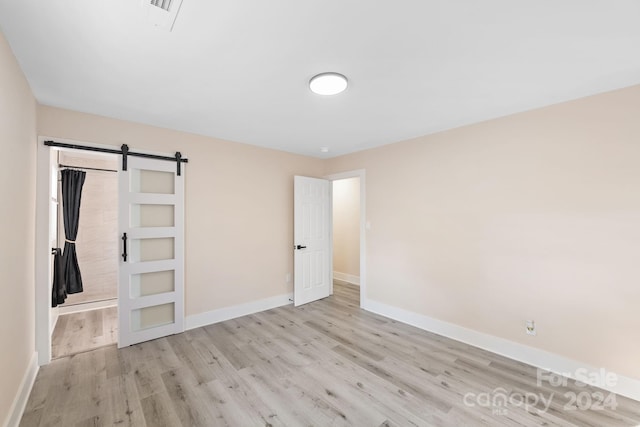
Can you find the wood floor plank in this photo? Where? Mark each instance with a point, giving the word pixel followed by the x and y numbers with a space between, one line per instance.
pixel 225 407
pixel 226 343
pixel 351 407
pixel 84 331
pixel 87 392
pixel 327 363
pixel 44 382
pixel 124 401
pixel 248 399
pixel 188 406
pixel 398 405
pixel 190 358
pixel 285 405
pixel 345 340
pixel 158 411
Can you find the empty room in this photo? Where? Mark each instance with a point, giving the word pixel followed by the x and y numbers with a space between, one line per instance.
pixel 227 213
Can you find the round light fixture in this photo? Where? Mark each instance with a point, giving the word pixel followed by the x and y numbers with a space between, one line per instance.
pixel 328 83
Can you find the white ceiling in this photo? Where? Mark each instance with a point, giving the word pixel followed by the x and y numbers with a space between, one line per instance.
pixel 239 70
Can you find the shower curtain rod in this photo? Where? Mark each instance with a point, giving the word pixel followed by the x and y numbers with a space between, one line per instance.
pixel 87 168
pixel 124 151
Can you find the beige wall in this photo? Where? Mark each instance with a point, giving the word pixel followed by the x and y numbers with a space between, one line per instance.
pixel 531 216
pixel 17 215
pixel 346 226
pixel 239 205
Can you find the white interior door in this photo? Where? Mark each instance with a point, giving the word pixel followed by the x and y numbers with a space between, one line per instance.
pixel 151 278
pixel 312 242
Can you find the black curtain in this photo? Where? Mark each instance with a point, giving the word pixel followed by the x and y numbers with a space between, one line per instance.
pixel 59 291
pixel 72 182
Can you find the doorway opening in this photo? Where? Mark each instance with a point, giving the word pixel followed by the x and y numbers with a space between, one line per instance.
pixel 89 319
pixel 313 236
pixel 149 252
pixel 346 231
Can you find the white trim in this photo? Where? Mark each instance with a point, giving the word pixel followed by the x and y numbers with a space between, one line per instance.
pixel 330 266
pixel 358 173
pixel 55 314
pixel 87 306
pixel 227 313
pixel 557 364
pixel 43 258
pixel 45 319
pixel 350 278
pixel 20 402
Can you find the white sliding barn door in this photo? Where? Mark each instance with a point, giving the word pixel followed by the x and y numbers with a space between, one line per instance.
pixel 151 278
pixel 312 243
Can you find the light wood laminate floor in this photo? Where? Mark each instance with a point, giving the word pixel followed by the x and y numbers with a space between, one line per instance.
pixel 323 364
pixel 84 331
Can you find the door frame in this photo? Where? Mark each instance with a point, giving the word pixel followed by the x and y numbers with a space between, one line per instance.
pixel 45 315
pixel 357 173
pixel 43 257
pixel 44 323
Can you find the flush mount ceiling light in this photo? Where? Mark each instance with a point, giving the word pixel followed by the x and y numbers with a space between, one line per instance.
pixel 328 83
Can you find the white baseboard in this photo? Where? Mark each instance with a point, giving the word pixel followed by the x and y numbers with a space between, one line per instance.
pixel 354 280
pixel 20 402
pixel 226 313
pixel 54 314
pixel 624 386
pixel 87 306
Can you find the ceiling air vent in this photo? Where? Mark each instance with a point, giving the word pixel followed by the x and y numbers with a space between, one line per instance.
pixel 162 4
pixel 162 13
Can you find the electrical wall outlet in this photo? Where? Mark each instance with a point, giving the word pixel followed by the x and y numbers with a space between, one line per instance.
pixel 531 327
pixel 287 277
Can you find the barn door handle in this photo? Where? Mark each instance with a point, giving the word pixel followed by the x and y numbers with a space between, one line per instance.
pixel 124 245
pixel 300 247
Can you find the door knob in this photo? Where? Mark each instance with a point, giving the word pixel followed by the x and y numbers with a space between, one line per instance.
pixel 300 247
